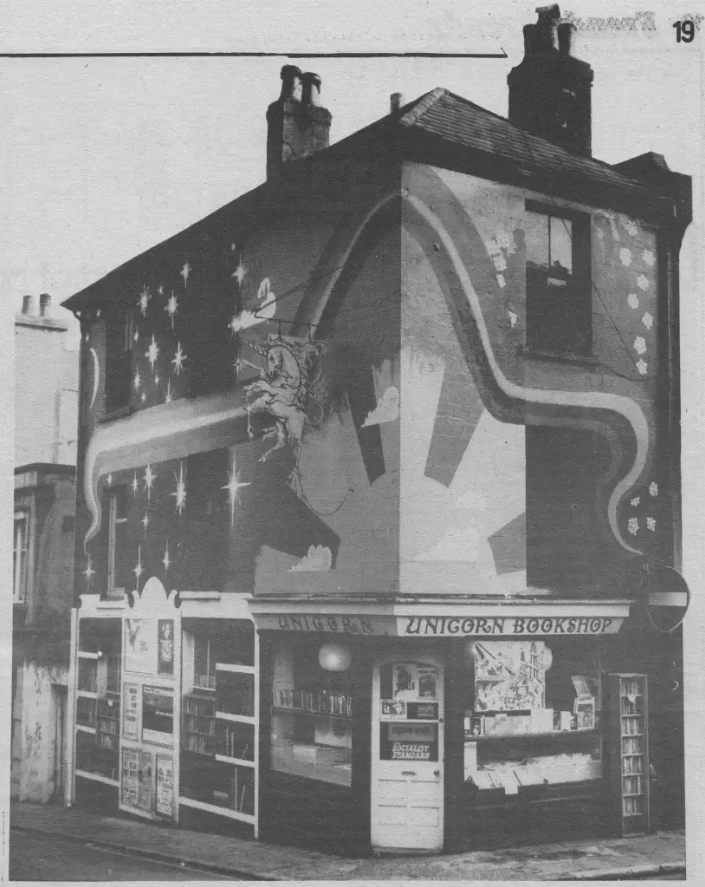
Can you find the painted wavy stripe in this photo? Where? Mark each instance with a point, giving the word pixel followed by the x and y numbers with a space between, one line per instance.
pixel 598 411
pixel 167 431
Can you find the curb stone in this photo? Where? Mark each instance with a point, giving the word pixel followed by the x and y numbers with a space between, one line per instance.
pixel 153 855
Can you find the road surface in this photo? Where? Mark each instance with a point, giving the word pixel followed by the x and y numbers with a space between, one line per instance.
pixel 43 858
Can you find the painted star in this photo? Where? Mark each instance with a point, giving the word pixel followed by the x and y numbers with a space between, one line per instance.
pixel 98 313
pixel 233 487
pixel 138 570
pixel 149 477
pixel 165 559
pixel 152 353
pixel 145 522
pixel 168 397
pixel 180 494
pixel 185 271
pixel 135 483
pixel 136 335
pixel 171 307
pixel 239 273
pixel 156 379
pixel 109 479
pixel 138 381
pixel 161 289
pixel 143 301
pixel 143 396
pixel 179 359
pixel 89 572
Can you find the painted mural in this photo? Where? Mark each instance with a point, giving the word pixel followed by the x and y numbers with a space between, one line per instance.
pixel 320 406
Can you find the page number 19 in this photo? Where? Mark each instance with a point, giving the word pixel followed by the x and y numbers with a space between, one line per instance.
pixel 685 31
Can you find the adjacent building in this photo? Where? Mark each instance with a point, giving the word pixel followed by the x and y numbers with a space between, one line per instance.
pixel 375 464
pixel 46 373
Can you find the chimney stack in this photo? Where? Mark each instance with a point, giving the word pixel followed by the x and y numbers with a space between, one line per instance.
pixel 28 305
pixel 296 124
pixel 396 100
pixel 44 305
pixel 549 91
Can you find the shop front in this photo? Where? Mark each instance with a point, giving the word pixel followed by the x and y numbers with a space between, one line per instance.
pixel 164 708
pixel 435 726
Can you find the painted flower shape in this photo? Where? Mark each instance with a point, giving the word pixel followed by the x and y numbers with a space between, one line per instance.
pixel 503 240
pixel 633 526
pixel 651 524
pixel 647 320
pixel 635 501
pixel 642 366
pixel 500 262
pixel 633 300
pixel 640 345
pixel 653 488
pixel 512 318
pixel 501 281
pixel 642 282
pixel 649 258
pixel 630 228
pixel 625 256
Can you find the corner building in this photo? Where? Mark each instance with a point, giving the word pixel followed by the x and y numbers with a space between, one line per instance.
pixel 375 461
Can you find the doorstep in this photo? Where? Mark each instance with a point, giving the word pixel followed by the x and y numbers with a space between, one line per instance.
pixel 605 859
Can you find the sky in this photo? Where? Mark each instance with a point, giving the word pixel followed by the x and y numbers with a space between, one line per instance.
pixel 103 158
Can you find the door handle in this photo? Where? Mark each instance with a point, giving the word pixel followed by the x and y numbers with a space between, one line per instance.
pixel 436 772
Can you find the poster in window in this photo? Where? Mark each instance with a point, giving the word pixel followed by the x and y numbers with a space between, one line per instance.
pixel 414 680
pixel 165 659
pixel 392 708
pixel 130 777
pixel 157 715
pixel 140 646
pixel 130 712
pixel 165 785
pixel 510 675
pixel 145 782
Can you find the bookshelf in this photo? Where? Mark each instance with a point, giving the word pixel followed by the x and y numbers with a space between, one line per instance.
pixel 107 734
pixel 198 725
pixel 628 758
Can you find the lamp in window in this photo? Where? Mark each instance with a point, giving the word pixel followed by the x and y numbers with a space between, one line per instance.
pixel 334 657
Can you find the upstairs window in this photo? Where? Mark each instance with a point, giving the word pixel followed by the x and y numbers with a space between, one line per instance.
pixel 118 370
pixel 19 558
pixel 118 567
pixel 558 288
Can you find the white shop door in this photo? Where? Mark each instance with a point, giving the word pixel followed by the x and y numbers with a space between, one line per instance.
pixel 407 754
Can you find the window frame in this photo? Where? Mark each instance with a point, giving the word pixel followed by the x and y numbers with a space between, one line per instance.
pixel 118 358
pixel 114 591
pixel 20 581
pixel 538 341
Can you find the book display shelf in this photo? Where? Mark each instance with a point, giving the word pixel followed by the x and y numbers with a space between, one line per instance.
pixel 628 747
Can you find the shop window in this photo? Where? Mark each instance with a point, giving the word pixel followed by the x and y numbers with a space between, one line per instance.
pixel 218 726
pixel 118 566
pixel 535 715
pixel 558 287
pixel 19 558
pixel 118 369
pixel 311 717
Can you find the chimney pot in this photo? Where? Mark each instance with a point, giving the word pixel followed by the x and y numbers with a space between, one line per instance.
pixel 44 305
pixel 291 82
pixel 396 100
pixel 311 88
pixel 567 34
pixel 28 304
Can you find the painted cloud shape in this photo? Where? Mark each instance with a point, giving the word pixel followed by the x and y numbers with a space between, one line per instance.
pixel 318 559
pixel 387 409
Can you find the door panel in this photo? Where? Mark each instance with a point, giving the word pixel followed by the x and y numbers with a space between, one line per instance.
pixel 407 753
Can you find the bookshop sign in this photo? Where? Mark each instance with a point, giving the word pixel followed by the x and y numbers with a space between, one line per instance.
pixel 541 622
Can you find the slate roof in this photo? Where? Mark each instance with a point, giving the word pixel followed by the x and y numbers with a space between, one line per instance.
pixel 460 122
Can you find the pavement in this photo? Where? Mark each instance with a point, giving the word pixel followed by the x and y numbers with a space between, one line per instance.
pixel 651 856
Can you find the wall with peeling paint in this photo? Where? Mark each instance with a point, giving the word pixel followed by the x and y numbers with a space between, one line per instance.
pixel 38 767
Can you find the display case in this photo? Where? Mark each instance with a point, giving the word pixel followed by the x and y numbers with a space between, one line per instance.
pixel 311 720
pixel 534 724
pixel 198 724
pixel 627 703
pixel 107 734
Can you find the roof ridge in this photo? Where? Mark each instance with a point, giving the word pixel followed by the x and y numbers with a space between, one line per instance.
pixel 422 106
